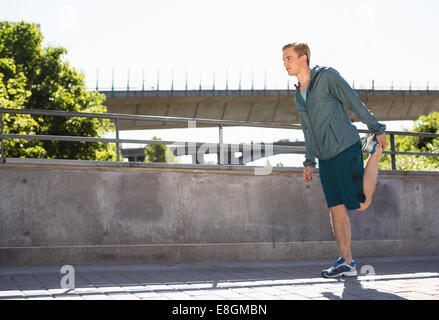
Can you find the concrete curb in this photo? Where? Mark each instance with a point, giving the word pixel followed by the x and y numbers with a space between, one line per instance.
pixel 236 169
pixel 212 252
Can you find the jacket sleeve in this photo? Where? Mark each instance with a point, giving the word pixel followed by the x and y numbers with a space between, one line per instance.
pixel 342 91
pixel 310 159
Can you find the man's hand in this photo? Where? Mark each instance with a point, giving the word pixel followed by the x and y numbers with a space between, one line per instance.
pixel 308 174
pixel 382 140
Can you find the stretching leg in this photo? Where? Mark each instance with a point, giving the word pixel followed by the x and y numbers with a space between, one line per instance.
pixel 370 177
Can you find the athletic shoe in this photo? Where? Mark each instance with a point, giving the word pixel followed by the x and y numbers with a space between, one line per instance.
pixel 370 143
pixel 341 269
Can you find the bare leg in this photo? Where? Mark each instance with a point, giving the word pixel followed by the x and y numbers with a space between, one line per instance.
pixel 370 177
pixel 341 227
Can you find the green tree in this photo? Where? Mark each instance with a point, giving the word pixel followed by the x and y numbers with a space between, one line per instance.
pixel 13 95
pixel 48 82
pixel 159 153
pixel 427 124
pixel 268 164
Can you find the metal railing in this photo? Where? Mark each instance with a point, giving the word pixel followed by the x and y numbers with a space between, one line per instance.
pixel 220 123
pixel 242 80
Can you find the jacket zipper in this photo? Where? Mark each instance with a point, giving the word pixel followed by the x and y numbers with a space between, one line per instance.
pixel 309 120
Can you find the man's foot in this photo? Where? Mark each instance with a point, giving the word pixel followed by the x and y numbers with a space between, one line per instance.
pixel 341 269
pixel 370 144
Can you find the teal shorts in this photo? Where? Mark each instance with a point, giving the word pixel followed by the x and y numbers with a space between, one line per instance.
pixel 342 178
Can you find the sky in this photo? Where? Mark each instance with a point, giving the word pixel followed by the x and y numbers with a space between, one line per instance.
pixel 201 40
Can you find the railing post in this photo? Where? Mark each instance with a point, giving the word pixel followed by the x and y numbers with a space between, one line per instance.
pixel 186 81
pixel 97 79
pixel 112 80
pixel 213 88
pixel 265 82
pixel 128 80
pixel 158 80
pixel 172 82
pixel 392 148
pixel 143 81
pixel 200 81
pixel 239 82
pixel 220 153
pixel 1 132
pixel 220 133
pixel 253 81
pixel 227 82
pixel 117 141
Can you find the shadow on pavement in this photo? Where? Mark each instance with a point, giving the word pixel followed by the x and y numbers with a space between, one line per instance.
pixel 353 290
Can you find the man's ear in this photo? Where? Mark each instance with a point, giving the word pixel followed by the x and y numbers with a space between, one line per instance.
pixel 304 59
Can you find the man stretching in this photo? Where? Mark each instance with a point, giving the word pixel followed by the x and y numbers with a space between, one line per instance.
pixel 321 97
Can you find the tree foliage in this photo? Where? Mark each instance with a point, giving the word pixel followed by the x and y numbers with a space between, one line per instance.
pixel 32 77
pixel 159 153
pixel 13 95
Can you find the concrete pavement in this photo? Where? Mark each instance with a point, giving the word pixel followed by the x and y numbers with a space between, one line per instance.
pixel 382 278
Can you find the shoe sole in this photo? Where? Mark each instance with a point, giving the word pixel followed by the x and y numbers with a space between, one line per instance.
pixel 343 274
pixel 367 148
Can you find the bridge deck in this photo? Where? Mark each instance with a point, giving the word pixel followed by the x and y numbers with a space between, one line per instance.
pixel 269 106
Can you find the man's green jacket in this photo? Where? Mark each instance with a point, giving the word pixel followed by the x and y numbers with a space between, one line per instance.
pixel 325 123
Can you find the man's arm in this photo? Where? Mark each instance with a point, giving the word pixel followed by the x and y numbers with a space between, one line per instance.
pixel 310 159
pixel 347 96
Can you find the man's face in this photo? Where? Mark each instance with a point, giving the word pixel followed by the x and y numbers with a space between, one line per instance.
pixel 292 63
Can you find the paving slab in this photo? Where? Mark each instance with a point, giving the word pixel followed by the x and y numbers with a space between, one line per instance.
pixel 392 278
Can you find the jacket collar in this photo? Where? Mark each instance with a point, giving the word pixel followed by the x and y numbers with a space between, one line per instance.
pixel 314 71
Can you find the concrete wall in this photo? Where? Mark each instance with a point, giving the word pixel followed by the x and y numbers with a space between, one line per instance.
pixel 88 214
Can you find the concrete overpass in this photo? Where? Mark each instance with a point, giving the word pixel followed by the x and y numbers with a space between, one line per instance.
pixel 269 106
